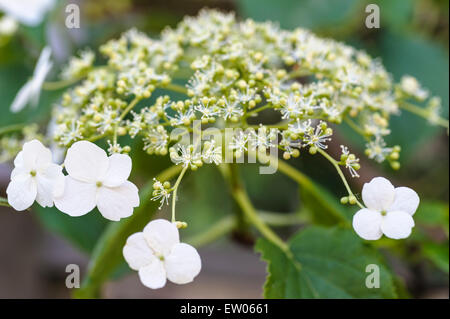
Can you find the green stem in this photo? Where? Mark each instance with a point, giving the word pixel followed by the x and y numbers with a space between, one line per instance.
pixel 129 108
pixel 256 111
pixel 175 190
pixel 423 113
pixel 281 219
pixel 356 128
pixel 4 202
pixel 107 253
pixel 12 128
pixel 176 88
pixel 229 222
pixel 341 174
pixel 240 195
pixel 57 85
pixel 298 73
pixel 219 229
pixel 305 182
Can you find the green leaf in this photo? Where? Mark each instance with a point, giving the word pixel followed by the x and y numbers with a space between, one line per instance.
pixel 82 231
pixel 326 263
pixel 427 61
pixel 315 14
pixel 396 14
pixel 107 254
pixel 433 214
pixel 437 254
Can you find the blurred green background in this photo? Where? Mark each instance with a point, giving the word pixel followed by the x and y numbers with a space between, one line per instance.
pixel 413 39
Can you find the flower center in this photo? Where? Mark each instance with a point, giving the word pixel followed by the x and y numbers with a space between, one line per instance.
pixel 383 213
pixel 33 173
pixel 99 184
pixel 159 256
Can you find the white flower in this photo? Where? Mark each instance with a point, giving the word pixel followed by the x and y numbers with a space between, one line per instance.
pixel 157 254
pixel 389 210
pixel 411 86
pixel 8 26
pixel 30 92
pixel 35 177
pixel 97 180
pixel 28 12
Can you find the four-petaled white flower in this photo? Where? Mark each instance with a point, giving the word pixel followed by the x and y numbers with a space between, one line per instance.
pixel 30 92
pixel 157 254
pixel 389 210
pixel 97 180
pixel 35 177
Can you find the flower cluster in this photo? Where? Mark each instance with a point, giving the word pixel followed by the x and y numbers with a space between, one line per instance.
pixel 11 144
pixel 237 70
pixel 93 180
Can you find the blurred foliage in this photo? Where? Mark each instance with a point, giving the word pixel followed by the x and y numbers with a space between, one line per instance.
pixel 413 39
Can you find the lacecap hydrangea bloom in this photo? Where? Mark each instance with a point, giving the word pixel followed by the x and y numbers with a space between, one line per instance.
pixel 236 71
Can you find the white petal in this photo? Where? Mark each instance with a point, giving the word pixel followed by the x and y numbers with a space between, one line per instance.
pixel 22 191
pixel 28 12
pixel 182 264
pixel 36 156
pixel 378 194
pixel 161 236
pixel 78 199
pixel 136 251
pixel 405 200
pixel 43 63
pixel 397 224
pixel 49 183
pixel 22 98
pixel 367 224
pixel 44 191
pixel 86 162
pixel 153 275
pixel 40 73
pixel 118 171
pixel 18 171
pixel 115 203
pixel 18 161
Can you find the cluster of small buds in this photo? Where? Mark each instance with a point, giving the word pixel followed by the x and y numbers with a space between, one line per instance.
pixel 11 144
pixel 349 161
pixel 237 70
pixel 161 192
pixel 433 109
pixel 79 66
pixel 187 156
pixel 378 151
pixel 410 87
